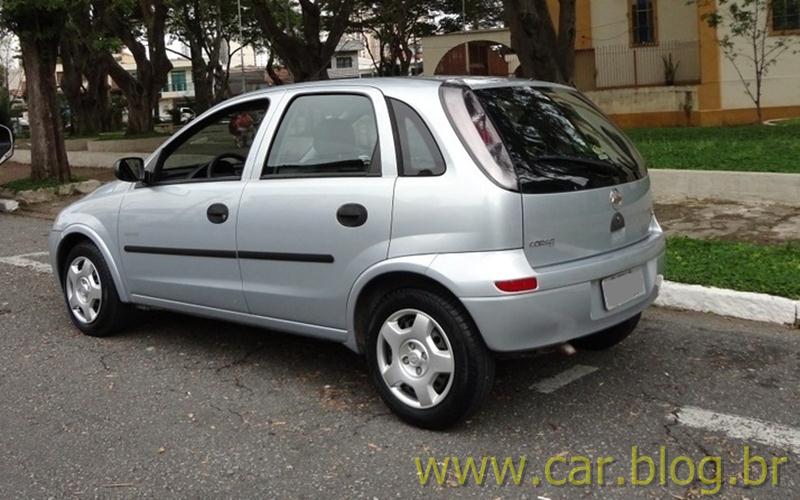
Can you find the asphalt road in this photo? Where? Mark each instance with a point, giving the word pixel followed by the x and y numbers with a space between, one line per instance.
pixel 185 407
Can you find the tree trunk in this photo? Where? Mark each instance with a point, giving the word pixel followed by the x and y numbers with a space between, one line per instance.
pixel 48 154
pixel 566 39
pixel 152 64
pixel 203 78
pixel 89 103
pixel 140 113
pixel 306 58
pixel 543 53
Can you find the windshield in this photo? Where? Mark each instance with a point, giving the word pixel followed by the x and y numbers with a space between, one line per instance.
pixel 559 141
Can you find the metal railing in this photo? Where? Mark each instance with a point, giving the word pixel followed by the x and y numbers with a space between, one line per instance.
pixel 610 66
pixel 178 87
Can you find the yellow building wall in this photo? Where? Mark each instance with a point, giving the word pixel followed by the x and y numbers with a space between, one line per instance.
pixel 583 21
pixel 675 21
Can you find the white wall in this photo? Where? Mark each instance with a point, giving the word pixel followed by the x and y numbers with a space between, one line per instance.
pixel 644 99
pixel 781 84
pixel 676 34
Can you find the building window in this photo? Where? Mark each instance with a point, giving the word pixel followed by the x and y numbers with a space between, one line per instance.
pixel 178 79
pixel 785 15
pixel 643 22
pixel 344 62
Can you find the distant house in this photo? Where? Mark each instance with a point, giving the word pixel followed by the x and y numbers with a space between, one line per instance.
pixel 351 60
pixel 644 62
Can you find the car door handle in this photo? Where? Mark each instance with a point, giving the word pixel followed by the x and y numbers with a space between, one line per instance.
pixel 217 213
pixel 352 215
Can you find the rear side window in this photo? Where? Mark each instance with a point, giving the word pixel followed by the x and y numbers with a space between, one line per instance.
pixel 558 140
pixel 419 154
pixel 325 135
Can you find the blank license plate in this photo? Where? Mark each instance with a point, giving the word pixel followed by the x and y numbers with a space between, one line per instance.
pixel 623 288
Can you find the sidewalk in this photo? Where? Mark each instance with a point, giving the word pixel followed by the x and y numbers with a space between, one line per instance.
pixel 81 158
pixel 752 187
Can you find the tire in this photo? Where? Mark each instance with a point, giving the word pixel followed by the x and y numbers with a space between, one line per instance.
pixel 605 339
pixel 451 333
pixel 95 312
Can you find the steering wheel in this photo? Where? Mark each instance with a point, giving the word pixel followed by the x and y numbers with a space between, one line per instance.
pixel 213 164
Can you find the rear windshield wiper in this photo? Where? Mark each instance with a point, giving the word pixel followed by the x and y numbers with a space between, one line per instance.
pixel 606 165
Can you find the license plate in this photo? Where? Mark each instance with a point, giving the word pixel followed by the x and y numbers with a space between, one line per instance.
pixel 623 288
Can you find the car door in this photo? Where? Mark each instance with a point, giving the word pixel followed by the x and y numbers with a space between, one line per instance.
pixel 319 211
pixel 178 232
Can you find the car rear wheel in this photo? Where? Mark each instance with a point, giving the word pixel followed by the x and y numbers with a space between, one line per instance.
pixel 90 293
pixel 609 337
pixel 427 358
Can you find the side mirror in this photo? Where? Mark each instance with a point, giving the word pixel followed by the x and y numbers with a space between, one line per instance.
pixel 6 143
pixel 129 169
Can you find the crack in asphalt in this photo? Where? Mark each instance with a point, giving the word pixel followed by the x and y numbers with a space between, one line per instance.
pixel 241 360
pixel 228 410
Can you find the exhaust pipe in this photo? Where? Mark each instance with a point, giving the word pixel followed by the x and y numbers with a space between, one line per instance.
pixel 566 349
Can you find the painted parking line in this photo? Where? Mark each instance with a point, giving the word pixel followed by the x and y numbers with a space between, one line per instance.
pixel 26 260
pixel 746 429
pixel 552 384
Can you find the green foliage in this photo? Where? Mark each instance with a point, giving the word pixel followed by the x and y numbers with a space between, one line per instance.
pixel 34 19
pixel 772 269
pixel 742 148
pixel 480 14
pixel 119 136
pixel 5 107
pixel 670 69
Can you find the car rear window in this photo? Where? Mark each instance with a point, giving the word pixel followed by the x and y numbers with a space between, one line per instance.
pixel 559 141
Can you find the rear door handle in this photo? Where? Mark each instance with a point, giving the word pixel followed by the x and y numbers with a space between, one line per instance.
pixel 217 213
pixel 352 215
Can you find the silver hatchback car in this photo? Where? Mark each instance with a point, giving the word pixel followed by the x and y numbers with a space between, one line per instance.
pixel 427 224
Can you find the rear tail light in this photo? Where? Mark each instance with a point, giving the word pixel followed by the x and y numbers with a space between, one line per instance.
pixel 518 285
pixel 479 135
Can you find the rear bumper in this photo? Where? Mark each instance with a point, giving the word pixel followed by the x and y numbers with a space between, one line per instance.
pixel 569 302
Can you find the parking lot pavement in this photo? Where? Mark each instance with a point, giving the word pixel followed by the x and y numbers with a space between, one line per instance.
pixel 185 407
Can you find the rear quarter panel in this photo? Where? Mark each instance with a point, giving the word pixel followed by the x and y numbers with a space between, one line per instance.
pixel 459 211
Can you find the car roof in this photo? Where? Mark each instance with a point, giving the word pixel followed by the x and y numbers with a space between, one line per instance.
pixel 392 84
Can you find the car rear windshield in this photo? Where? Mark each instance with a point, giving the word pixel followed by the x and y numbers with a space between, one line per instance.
pixel 559 141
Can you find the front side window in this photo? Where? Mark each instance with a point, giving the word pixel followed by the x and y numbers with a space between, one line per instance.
pixel 324 135
pixel 214 149
pixel 419 154
pixel 786 15
pixel 643 22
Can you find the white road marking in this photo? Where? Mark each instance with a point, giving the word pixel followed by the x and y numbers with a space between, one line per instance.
pixel 552 384
pixel 746 429
pixel 25 260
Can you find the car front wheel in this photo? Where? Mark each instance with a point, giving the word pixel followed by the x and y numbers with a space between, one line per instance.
pixel 427 358
pixel 90 293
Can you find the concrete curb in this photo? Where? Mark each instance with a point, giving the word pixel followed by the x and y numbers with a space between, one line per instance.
pixel 742 305
pixel 676 185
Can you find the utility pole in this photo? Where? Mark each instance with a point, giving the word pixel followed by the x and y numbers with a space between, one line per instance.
pixel 241 48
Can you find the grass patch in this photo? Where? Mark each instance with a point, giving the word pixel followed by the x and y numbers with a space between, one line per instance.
pixel 27 183
pixel 772 269
pixel 120 136
pixel 751 148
